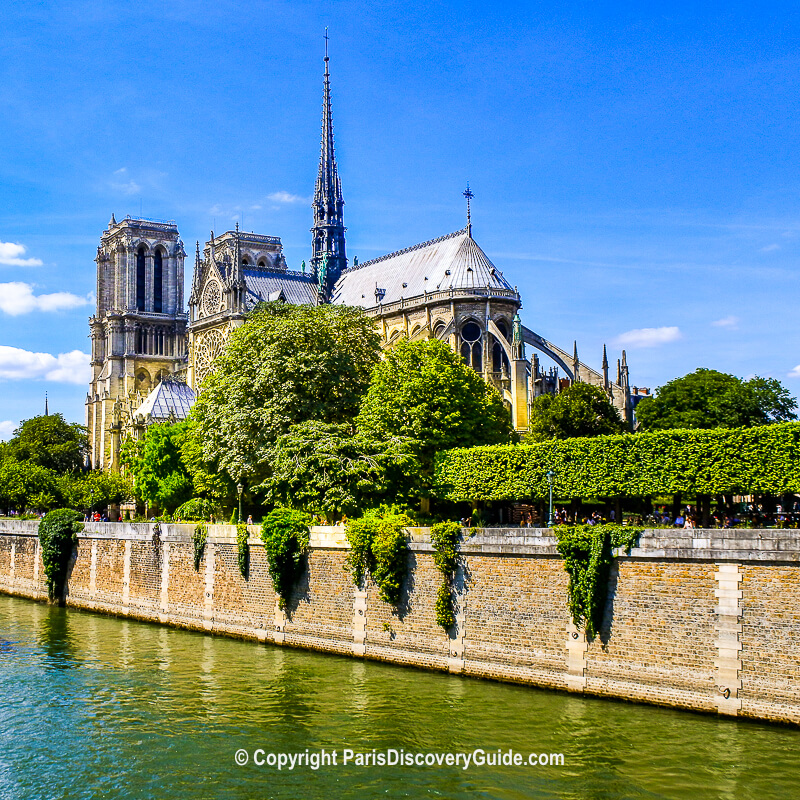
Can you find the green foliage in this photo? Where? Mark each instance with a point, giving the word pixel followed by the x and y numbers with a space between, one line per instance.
pixel 378 546
pixel 444 606
pixel 160 476
pixel 96 489
pixel 207 479
pixel 198 508
pixel 199 539
pixel 444 538
pixel 763 460
pixel 288 364
pixel 360 532
pixel 332 469
pixel 587 552
pixel 285 534
pixel 580 410
pixel 24 485
pixel 423 392
pixel 243 548
pixel 710 399
pixel 58 532
pixel 50 442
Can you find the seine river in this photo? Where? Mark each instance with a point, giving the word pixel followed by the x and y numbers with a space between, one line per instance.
pixel 95 706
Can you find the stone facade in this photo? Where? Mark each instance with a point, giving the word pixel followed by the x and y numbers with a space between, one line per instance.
pixel 138 332
pixel 700 620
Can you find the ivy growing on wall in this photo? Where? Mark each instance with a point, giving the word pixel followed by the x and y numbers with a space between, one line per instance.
pixel 721 461
pixel 587 552
pixel 378 546
pixel 243 548
pixel 58 532
pixel 285 533
pixel 199 539
pixel 444 538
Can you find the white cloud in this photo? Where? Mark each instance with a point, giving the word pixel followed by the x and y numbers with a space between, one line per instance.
pixel 18 298
pixel 6 429
pixel 726 322
pixel 11 255
pixel 19 365
pixel 770 248
pixel 649 337
pixel 795 373
pixel 121 182
pixel 286 197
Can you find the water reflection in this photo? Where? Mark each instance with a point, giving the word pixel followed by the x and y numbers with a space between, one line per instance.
pixel 147 711
pixel 55 639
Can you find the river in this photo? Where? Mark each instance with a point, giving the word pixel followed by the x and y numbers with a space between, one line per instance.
pixel 96 706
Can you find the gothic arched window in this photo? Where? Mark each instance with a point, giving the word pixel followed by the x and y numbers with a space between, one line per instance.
pixel 140 278
pixel 158 288
pixel 471 345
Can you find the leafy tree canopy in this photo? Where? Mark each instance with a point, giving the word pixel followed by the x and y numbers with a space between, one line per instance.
pixel 422 391
pixel 328 468
pixel 24 485
pixel 287 364
pixel 51 442
pixel 580 410
pixel 160 476
pixel 710 399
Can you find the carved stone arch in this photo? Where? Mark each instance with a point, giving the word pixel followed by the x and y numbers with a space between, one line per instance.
pixel 394 335
pixel 144 381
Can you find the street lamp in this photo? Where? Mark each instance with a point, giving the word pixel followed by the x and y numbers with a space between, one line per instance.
pixel 239 488
pixel 550 481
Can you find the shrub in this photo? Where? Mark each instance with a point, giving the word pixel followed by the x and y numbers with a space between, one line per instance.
pixel 199 539
pixel 57 534
pixel 243 549
pixel 721 461
pixel 285 534
pixel 378 546
pixel 444 538
pixel 587 552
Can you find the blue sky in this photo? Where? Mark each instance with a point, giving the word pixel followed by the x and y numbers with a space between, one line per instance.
pixel 635 169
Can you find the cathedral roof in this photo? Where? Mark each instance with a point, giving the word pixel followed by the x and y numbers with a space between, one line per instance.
pixel 454 261
pixel 298 288
pixel 171 400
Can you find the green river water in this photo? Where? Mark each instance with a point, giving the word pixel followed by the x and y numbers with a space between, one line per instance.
pixel 95 706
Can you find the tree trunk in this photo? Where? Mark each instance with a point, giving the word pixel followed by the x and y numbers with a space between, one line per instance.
pixel 676 505
pixel 618 510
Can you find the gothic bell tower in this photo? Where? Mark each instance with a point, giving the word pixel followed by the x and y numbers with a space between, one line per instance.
pixel 138 332
pixel 329 258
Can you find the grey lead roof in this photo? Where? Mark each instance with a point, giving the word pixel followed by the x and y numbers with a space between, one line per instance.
pixel 299 288
pixel 170 400
pixel 453 261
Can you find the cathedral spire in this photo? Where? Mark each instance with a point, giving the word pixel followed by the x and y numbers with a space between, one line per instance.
pixel 328 205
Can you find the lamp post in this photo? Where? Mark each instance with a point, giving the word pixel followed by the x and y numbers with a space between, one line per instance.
pixel 239 488
pixel 550 481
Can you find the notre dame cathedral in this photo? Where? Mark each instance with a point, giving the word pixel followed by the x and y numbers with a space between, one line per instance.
pixel 149 357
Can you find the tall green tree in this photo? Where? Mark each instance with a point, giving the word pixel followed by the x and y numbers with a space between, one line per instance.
pixel 710 399
pixel 51 442
pixel 423 392
pixel 287 364
pixel 27 486
pixel 580 410
pixel 332 469
pixel 159 474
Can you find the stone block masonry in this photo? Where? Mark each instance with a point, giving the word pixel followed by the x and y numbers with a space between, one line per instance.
pixel 702 620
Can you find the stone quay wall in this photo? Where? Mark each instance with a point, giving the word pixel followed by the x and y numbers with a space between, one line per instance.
pixel 707 620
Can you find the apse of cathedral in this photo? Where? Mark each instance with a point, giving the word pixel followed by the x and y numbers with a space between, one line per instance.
pixel 149 357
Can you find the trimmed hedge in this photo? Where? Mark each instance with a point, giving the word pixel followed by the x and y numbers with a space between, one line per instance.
pixel 739 460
